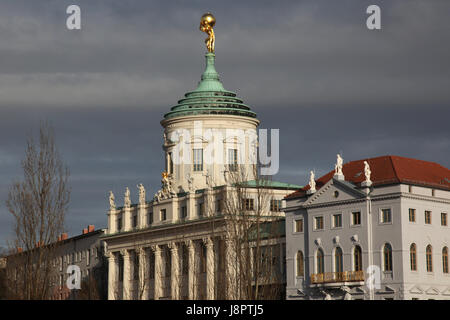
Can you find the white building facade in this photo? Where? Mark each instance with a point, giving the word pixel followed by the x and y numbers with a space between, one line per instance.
pixel 175 245
pixel 375 232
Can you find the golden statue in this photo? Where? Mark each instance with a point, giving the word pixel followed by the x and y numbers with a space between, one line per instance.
pixel 207 23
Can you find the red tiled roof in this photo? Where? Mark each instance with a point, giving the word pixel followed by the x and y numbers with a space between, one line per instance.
pixel 389 170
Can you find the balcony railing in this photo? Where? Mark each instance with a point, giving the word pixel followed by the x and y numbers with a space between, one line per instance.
pixel 331 277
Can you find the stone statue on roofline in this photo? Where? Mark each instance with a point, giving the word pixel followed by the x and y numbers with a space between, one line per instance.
pixel 166 190
pixel 367 172
pixel 127 201
pixel 112 203
pixel 312 182
pixel 190 181
pixel 141 194
pixel 338 166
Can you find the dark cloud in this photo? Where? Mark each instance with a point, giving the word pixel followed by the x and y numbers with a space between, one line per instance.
pixel 310 68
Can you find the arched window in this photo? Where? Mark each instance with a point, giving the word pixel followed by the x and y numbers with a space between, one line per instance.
pixel 429 257
pixel 300 268
pixel 357 258
pixel 320 261
pixel 413 257
pixel 338 262
pixel 445 260
pixel 387 256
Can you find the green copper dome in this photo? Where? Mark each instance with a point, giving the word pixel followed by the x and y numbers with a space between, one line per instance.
pixel 210 97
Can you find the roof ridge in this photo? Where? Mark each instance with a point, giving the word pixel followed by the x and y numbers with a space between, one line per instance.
pixel 394 168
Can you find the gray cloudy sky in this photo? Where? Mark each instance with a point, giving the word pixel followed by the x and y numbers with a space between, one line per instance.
pixel 310 68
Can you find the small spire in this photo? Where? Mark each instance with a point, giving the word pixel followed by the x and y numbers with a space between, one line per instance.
pixel 210 78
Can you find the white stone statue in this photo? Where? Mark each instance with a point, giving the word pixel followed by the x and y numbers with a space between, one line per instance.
pixel 190 181
pixel 126 200
pixel 367 172
pixel 312 182
pixel 141 194
pixel 112 204
pixel 208 179
pixel 338 167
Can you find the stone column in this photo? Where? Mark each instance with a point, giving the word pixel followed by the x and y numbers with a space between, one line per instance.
pixel 112 219
pixel 210 268
pixel 191 206
pixel 127 274
pixel 230 270
pixel 112 276
pixel 158 272
pixel 175 272
pixel 142 216
pixel 143 291
pixel 218 255
pixel 126 218
pixel 192 285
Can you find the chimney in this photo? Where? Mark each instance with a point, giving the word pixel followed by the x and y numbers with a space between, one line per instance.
pixel 85 230
pixel 64 236
pixel 91 228
pixel 19 249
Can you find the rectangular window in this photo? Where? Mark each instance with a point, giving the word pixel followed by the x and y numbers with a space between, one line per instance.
pixel 298 225
pixel 319 223
pixel 163 215
pixel 119 224
pixel 443 219
pixel 427 217
pixel 170 169
pixel 337 220
pixel 232 159
pixel 356 218
pixel 120 268
pixel 136 267
pixel 412 215
pixel 248 204
pixel 88 257
pixel 200 208
pixel 151 267
pixel 218 206
pixel 198 159
pixel 386 216
pixel 150 218
pixel 183 213
pixel 135 221
pixel 275 205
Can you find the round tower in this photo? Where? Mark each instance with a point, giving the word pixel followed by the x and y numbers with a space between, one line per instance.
pixel 208 134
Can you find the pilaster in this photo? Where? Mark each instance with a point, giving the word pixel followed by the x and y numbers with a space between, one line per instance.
pixel 112 276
